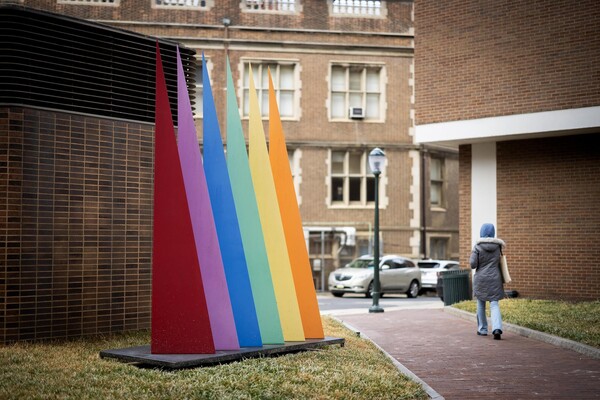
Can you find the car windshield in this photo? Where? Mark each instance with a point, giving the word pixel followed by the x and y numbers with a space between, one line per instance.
pixel 429 265
pixel 361 263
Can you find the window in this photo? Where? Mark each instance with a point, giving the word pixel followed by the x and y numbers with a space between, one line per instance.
pixel 294 158
pixel 91 2
pixel 438 248
pixel 270 5
pixel 318 245
pixel 201 4
pixel 198 93
pixel 351 183
pixel 436 178
pixel 356 86
pixel 399 264
pixel 357 8
pixel 346 254
pixel 286 86
pixel 364 246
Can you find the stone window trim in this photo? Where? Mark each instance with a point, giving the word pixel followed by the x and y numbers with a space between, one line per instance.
pixel 294 156
pixel 365 175
pixel 436 184
pixel 343 115
pixel 434 240
pixel 357 8
pixel 271 6
pixel 202 5
pixel 106 3
pixel 199 88
pixel 257 68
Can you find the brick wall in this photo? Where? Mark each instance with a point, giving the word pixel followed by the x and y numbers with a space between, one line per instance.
pixel 75 224
pixel 314 15
pixel 487 58
pixel 314 39
pixel 464 201
pixel 551 235
pixel 548 215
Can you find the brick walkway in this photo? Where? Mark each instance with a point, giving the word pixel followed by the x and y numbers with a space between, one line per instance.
pixel 444 351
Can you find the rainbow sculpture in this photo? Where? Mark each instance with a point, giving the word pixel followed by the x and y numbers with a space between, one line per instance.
pixel 230 267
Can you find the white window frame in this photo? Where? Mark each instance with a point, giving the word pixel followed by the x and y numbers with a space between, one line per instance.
pixel 203 5
pixel 441 238
pixel 110 3
pixel 294 156
pixel 364 175
pixel 364 92
pixel 437 182
pixel 199 87
pixel 262 88
pixel 357 8
pixel 271 6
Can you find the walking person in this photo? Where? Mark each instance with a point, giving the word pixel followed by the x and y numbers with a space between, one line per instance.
pixel 487 282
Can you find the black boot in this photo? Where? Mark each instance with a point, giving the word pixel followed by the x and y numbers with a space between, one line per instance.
pixel 497 334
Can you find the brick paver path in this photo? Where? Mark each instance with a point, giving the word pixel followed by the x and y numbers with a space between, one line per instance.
pixel 444 351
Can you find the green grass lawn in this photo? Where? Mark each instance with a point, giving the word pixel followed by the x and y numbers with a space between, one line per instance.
pixel 73 370
pixel 575 321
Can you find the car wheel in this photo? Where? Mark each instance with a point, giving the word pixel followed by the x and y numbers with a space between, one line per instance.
pixel 369 293
pixel 413 290
pixel 337 294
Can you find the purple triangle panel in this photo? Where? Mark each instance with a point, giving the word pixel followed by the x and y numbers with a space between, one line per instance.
pixel 205 233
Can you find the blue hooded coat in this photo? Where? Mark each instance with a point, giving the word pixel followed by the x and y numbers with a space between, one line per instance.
pixel 485 260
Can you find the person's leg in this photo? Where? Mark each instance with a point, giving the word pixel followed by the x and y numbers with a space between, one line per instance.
pixel 496 319
pixel 482 326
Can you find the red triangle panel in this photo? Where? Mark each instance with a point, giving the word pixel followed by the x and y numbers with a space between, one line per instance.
pixel 180 322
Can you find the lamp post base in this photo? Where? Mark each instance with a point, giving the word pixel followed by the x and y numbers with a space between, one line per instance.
pixel 375 309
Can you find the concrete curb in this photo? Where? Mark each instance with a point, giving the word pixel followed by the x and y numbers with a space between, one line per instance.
pixel 403 370
pixel 533 334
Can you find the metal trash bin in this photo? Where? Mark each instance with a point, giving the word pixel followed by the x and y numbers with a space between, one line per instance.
pixel 456 286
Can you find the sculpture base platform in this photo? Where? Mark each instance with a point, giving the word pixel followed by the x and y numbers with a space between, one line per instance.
pixel 141 354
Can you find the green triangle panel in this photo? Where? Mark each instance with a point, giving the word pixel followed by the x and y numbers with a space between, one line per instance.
pixel 249 222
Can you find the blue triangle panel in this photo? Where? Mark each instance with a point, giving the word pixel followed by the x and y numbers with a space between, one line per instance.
pixel 226 221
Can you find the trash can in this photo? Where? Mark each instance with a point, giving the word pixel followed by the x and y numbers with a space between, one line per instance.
pixel 456 286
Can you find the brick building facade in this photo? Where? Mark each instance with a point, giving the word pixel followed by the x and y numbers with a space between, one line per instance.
pixel 517 86
pixel 325 57
pixel 314 46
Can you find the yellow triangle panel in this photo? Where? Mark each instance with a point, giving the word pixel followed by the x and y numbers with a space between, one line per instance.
pixel 268 209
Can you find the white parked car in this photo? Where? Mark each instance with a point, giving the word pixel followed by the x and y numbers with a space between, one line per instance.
pixel 430 270
pixel 396 275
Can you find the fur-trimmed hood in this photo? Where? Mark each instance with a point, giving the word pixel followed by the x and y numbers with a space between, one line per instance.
pixel 488 243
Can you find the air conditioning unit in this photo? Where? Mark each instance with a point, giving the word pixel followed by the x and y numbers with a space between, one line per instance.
pixel 356 112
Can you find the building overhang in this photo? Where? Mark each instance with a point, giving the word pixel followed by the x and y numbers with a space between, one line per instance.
pixel 511 127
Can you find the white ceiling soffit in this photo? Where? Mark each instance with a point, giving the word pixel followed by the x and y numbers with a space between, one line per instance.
pixel 512 127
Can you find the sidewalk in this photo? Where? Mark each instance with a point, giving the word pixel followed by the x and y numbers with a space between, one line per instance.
pixel 441 348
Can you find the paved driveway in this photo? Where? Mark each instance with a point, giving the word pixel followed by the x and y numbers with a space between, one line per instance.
pixel 356 304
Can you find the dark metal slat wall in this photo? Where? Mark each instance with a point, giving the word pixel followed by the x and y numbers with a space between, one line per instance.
pixel 58 62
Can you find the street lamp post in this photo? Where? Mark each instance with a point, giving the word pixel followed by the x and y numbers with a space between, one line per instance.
pixel 376 161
